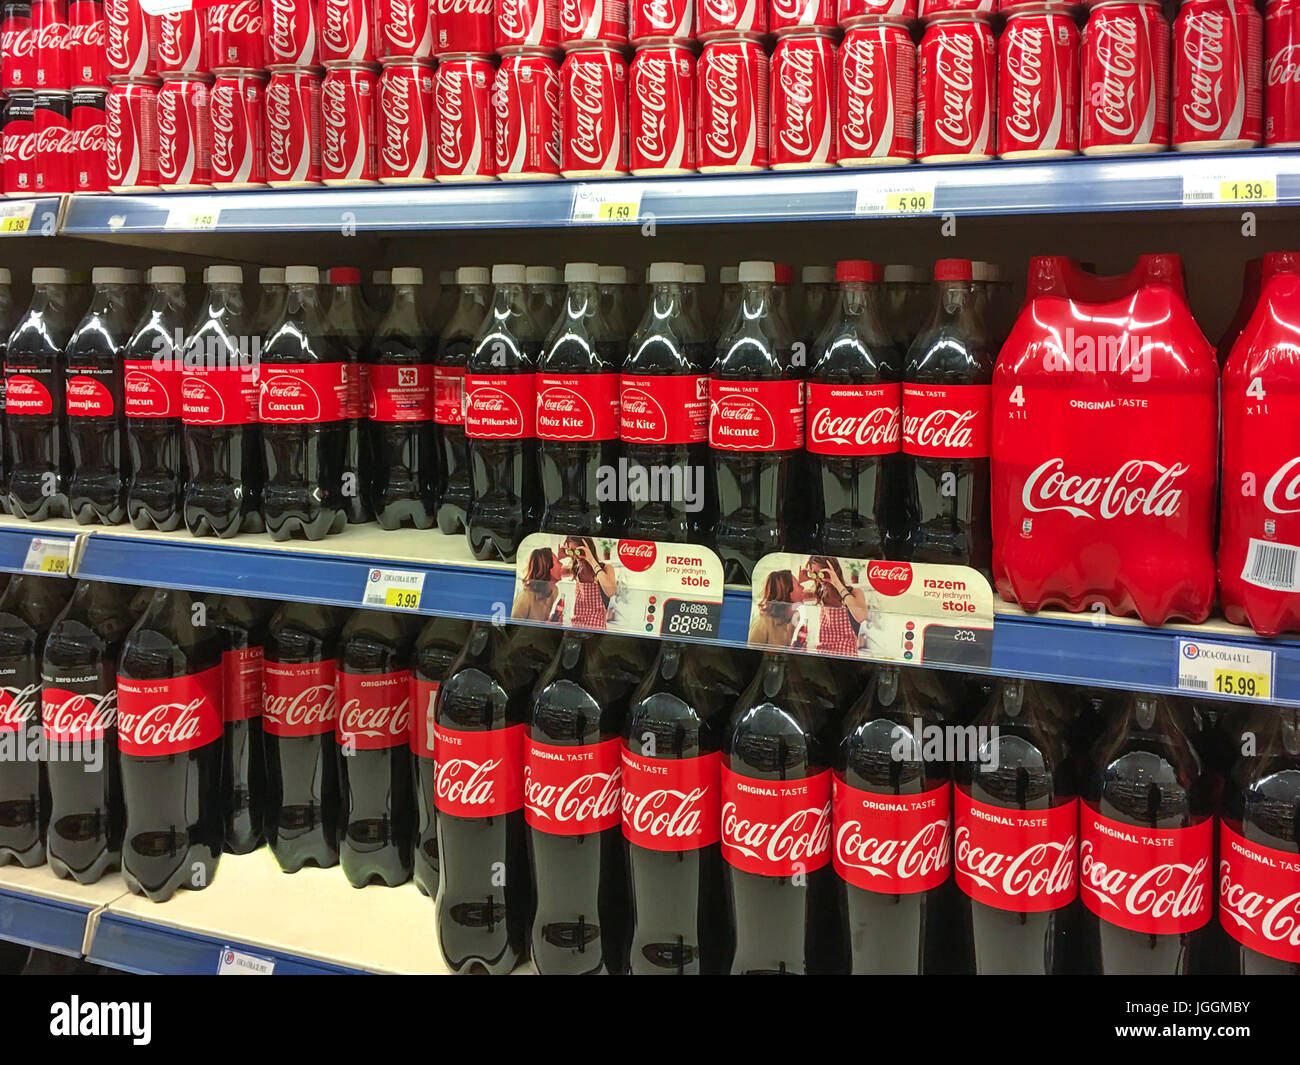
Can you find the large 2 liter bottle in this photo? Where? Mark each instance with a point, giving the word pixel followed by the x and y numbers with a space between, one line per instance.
pixel 348 320
pixel 455 342
pixel 8 316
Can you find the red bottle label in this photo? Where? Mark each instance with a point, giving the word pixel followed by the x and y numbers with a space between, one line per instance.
pixel 449 395
pixel 570 791
pixel 25 394
pixel 150 391
pixel 18 705
pixel 664 410
pixel 577 406
pixel 400 393
pixel 776 827
pixel 672 804
pixel 500 406
pixel 85 395
pixel 1018 860
pixel 947 421
pixel 160 717
pixel 226 395
pixel 1259 895
pixel 480 774
pixel 374 709
pixel 299 698
pixel 242 673
pixel 1156 880
pixel 854 420
pixel 297 393
pixel 424 703
pixel 893 844
pixel 755 415
pixel 76 717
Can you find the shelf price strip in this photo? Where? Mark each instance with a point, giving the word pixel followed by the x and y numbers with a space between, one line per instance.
pixel 16 218
pixel 50 557
pixel 1225 669
pixel 240 963
pixel 600 203
pixel 1245 182
pixel 393 589
pixel 908 197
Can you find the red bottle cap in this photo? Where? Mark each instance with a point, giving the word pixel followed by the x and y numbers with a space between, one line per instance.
pixel 345 275
pixel 784 274
pixel 952 270
pixel 857 270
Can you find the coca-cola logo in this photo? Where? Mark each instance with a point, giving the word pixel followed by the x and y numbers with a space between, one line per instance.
pixel 666 813
pixel 310 707
pixel 113 137
pixel 637 555
pixel 283 33
pixel 168 143
pixel 171 37
pixel 18 44
pixel 221 111
pixel 80 716
pixel 335 33
pixel 889 578
pixel 451 114
pixel 279 128
pixel 857 99
pixel 1140 486
pixel 587 99
pixel 1116 50
pixel 1204 40
pixel 1164 890
pixel 587 797
pixel 399 24
pixel 466 782
pixel 1024 65
pixel 87 35
pixel 463 7
pixel 955 66
pixel 1283 67
pixel 510 19
pixel 245 17
pixel 18 706
pixel 573 20
pixel 798 97
pixel 942 428
pixel 117 19
pixel 722 12
pixel 722 89
pixel 52 37
pixel 802 836
pixel 1275 919
pixel 657 13
pixel 91 138
pixel 928 851
pixel 396 104
pixel 1282 492
pixel 652 93
pixel 375 721
pixel 1045 868
pixel 795 12
pixel 173 725
pixel 879 427
pixel 334 123
pixel 55 140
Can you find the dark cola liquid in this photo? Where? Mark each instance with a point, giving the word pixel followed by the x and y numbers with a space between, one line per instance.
pixel 302 771
pixel 8 314
pixel 346 320
pixel 456 486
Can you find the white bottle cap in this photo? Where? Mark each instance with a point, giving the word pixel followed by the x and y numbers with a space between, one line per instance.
pixel 695 274
pixel 408 275
pixel 108 275
pixel 166 275
pixel 754 270
pixel 229 275
pixel 662 273
pixel 542 275
pixel 5 277
pixel 728 275
pixel 446 277
pixel 270 275
pixel 818 275
pixel 472 275
pixel 613 275
pixel 49 275
pixel 581 273
pixel 508 274
pixel 381 277
pixel 905 273
pixel 302 275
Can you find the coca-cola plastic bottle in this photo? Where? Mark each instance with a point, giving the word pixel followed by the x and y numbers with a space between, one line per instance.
pixel 8 315
pixel 783 899
pixel 219 402
pixel 485 889
pixel 947 400
pixel 92 386
pixel 169 712
pixel 242 624
pixel 79 718
pixel 34 403
pixel 1146 843
pixel 403 438
pixel 448 297
pixel 907 302
pixel 819 291
pixel 377 804
pixel 437 646
pixel 1259 839
pixel 756 430
pixel 299 712
pixel 455 343
pixel 671 809
pixel 893 828
pixel 500 420
pixel 348 319
pixel 853 422
pixel 664 412
pixel 577 412
pixel 1016 833
pixel 273 293
pixel 28 607
pixel 573 803
pixel 380 283
pixel 155 492
pixel 545 294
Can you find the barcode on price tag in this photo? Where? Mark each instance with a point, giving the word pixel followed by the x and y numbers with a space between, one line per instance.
pixel 1225 669
pixel 395 589
pixel 16 218
pixel 911 196
pixel 239 963
pixel 50 557
pixel 606 203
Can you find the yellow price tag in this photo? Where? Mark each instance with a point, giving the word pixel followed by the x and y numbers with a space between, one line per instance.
pixel 402 599
pixel 54 564
pixel 1236 682
pixel 617 212
pixel 15 224
pixel 909 202
pixel 1247 191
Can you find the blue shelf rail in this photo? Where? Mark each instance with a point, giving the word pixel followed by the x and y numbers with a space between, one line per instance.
pixel 15 543
pixel 47 924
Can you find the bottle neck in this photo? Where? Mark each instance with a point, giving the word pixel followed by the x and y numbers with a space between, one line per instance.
pixel 110 299
pixel 224 296
pixel 163 298
pixel 403 314
pixel 581 300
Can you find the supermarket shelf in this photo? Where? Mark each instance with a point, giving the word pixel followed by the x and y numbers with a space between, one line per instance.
pixel 38 216
pixel 40 910
pixel 16 538
pixel 1153 182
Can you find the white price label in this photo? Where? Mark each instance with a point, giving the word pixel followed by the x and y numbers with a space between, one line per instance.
pixel 239 963
pixel 16 217
pixel 1243 182
pixel 606 203
pixel 193 218
pixel 395 589
pixel 907 196
pixel 1225 670
pixel 51 557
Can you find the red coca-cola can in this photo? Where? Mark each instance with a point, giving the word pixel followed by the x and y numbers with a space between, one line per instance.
pixel 875 96
pixel 293 131
pixel 956 69
pixel 86 42
pixel 802 106
pixel 661 110
pixel 800 16
pixel 53 52
pixel 289 33
pixel 89 141
pixel 592 22
pixel 731 106
pixel 660 21
pixel 18 135
pixel 525 25
pixel 406 128
pixel 347 124
pixel 17 48
pixel 1124 84
pixel 1218 97
pixel 730 18
pixel 933 9
pixel 1038 86
pixel 462 106
pixel 131 132
pixel 235 35
pixel 462 27
pixel 593 113
pixel 184 134
pixel 404 29
pixel 238 109
pixel 345 31
pixel 53 118
pixel 130 40
pixel 182 42
pixel 1282 74
pixel 526 117
pixel 851 13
